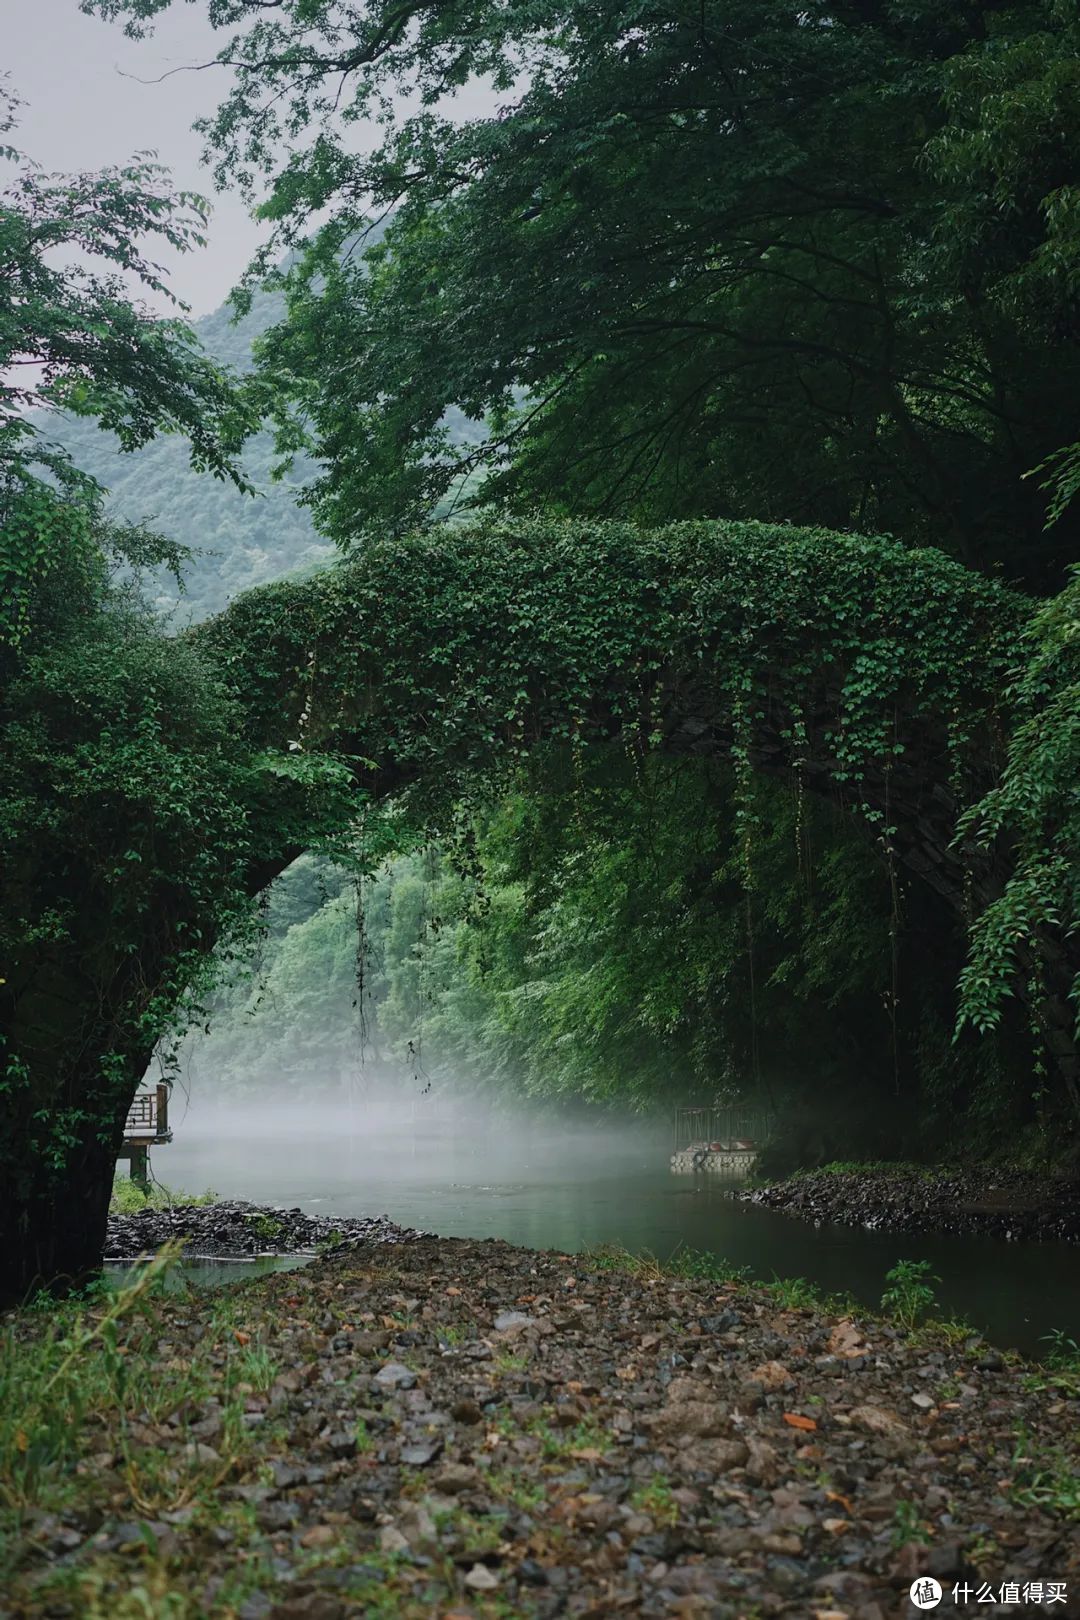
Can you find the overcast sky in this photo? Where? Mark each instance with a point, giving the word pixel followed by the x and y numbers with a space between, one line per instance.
pixel 84 111
pixel 81 112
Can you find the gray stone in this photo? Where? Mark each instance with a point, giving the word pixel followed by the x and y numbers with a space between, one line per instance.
pixel 394 1376
pixel 421 1454
pixel 512 1323
pixel 481 1579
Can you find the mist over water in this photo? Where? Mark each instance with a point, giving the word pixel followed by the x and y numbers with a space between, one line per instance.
pixel 461 1166
pixel 389 1144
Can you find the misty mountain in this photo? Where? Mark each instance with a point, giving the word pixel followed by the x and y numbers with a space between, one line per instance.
pixel 237 541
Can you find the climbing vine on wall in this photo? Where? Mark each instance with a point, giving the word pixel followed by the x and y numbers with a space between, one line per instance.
pixel 427 665
pixel 880 674
pixel 441 654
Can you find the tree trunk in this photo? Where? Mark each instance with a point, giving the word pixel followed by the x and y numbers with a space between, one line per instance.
pixel 52 1236
pixel 74 1038
pixel 54 1196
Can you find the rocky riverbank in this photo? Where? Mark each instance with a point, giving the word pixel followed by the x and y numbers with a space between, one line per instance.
pixel 1011 1204
pixel 470 1431
pixel 230 1229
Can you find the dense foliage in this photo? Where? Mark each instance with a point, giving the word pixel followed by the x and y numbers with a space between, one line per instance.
pixel 1030 927
pixel 845 664
pixel 441 648
pixel 118 751
pixel 597 941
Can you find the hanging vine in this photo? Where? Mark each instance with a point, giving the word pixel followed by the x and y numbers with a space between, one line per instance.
pixel 437 653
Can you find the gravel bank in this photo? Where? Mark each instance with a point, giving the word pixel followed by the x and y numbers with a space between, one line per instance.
pixel 470 1431
pixel 1009 1204
pixel 232 1229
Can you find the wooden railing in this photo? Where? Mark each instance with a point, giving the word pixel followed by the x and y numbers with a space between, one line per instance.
pixel 147 1124
pixel 730 1126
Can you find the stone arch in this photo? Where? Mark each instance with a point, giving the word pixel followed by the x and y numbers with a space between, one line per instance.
pixel 874 671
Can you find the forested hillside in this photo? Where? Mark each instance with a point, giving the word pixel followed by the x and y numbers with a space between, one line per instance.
pixel 236 540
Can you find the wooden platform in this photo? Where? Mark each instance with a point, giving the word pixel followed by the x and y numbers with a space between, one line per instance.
pixel 147 1126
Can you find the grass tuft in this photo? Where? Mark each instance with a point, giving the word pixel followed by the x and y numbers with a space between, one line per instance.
pixel 128 1198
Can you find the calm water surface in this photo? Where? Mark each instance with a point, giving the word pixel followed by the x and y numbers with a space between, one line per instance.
pixel 574 1193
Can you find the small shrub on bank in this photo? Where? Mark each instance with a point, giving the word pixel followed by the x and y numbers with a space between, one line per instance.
pixel 1044 1478
pixel 911 1297
pixel 128 1197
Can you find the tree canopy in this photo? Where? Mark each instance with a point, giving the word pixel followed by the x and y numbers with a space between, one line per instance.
pixel 71 339
pixel 809 263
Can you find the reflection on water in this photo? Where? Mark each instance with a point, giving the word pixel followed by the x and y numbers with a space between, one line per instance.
pixel 208 1273
pixel 580 1190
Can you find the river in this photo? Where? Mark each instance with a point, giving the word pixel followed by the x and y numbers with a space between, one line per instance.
pixel 575 1190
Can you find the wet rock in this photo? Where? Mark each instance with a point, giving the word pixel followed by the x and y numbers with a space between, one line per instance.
pixel 762 1463
pixel 772 1375
pixel 417 1526
pixel 846 1340
pixel 481 1579
pixel 877 1420
pixel 944 1559
pixel 320 1535
pixel 420 1454
pixel 532 1573
pixel 722 1322
pixel 395 1376
pixel 466 1411
pixel 453 1478
pixel 512 1323
pixel 197 1452
pixel 391 1539
pixel 689 1416
pixel 935 1200
pixel 718 1456
pixel 233 1229
pixel 277 1515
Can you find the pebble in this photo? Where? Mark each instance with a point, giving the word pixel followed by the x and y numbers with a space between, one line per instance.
pixel 395 1376
pixel 481 1579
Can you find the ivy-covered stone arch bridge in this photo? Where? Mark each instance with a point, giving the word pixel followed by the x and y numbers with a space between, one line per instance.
pixel 865 670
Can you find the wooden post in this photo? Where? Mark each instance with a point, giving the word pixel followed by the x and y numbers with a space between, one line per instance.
pixel 139 1173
